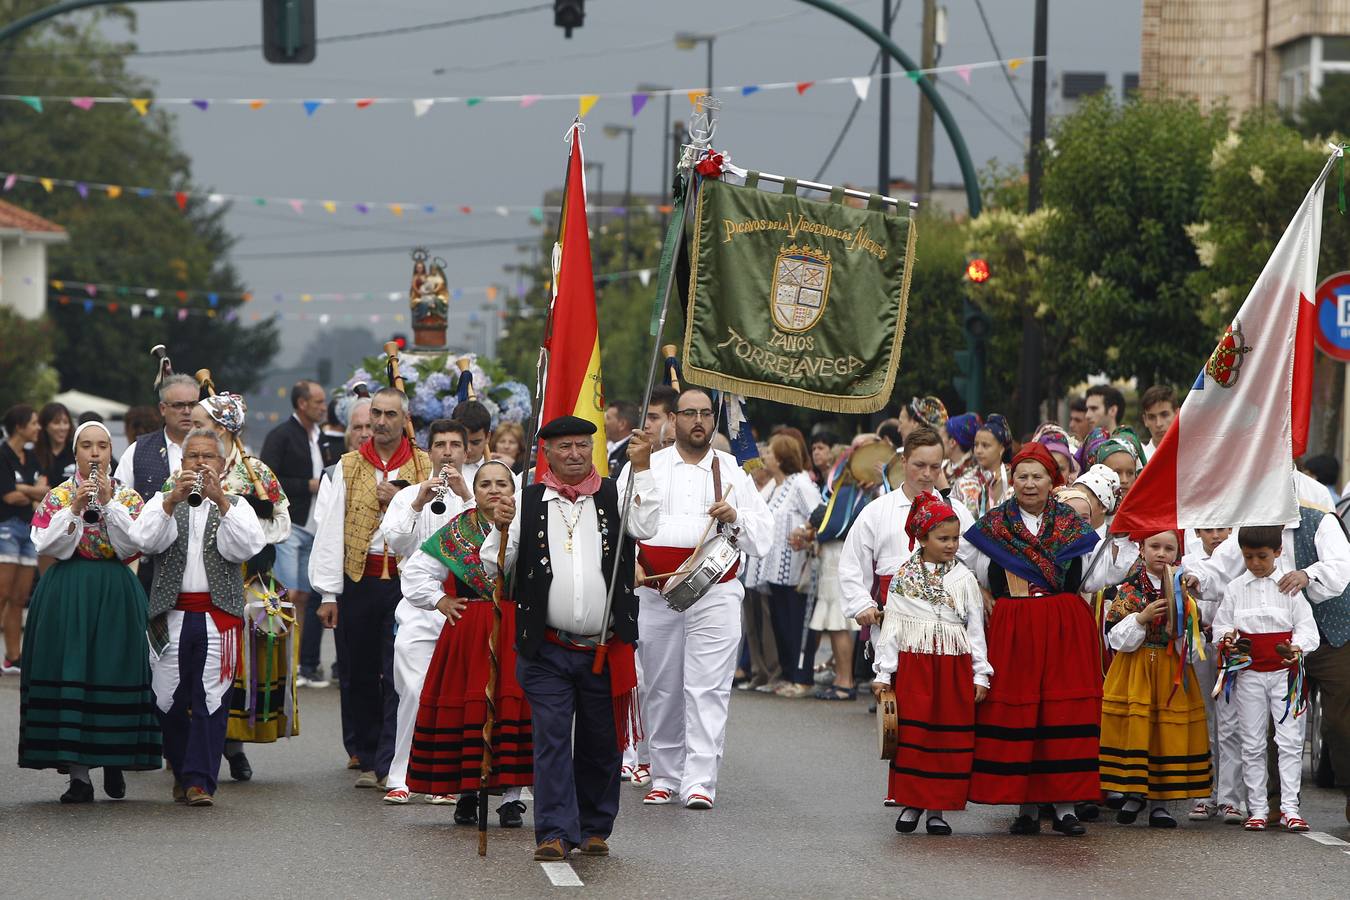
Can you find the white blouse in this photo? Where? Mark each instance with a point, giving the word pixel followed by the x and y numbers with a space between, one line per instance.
pixel 914 625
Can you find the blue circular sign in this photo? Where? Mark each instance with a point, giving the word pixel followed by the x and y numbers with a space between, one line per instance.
pixel 1332 336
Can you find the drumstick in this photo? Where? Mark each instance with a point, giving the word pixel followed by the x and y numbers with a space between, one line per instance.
pixel 684 568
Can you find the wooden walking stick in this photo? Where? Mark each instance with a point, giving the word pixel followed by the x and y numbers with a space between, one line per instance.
pixel 494 671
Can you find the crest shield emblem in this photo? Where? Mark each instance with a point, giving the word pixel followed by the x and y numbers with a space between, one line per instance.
pixel 800 288
pixel 1225 363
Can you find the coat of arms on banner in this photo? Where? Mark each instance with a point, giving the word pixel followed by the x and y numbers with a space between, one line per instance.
pixel 800 289
pixel 1225 363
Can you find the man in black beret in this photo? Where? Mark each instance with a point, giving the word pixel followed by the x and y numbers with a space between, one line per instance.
pixel 562 545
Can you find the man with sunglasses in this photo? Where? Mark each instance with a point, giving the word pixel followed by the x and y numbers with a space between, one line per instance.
pixel 689 658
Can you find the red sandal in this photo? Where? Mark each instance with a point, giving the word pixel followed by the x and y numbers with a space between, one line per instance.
pixel 1293 823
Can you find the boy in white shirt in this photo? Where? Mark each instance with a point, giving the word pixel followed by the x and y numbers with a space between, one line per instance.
pixel 1280 628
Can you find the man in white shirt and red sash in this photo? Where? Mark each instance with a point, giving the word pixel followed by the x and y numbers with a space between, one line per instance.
pixel 689 658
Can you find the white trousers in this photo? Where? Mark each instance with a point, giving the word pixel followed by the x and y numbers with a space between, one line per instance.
pixel 638 752
pixel 164 674
pixel 689 659
pixel 1225 742
pixel 1259 697
pixel 414 643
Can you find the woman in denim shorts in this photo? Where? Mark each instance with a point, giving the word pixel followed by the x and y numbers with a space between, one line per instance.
pixel 22 486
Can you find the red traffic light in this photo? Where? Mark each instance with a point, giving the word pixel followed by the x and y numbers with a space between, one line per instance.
pixel 977 270
pixel 401 340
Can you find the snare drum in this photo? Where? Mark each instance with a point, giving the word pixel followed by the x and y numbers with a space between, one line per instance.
pixel 708 566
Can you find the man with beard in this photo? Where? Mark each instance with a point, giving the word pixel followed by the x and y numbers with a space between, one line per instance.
pixel 689 658
pixel 352 560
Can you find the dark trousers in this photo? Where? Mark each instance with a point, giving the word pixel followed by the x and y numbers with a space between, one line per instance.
pixel 365 634
pixel 1329 668
pixel 576 772
pixel 193 738
pixel 787 612
pixel 311 635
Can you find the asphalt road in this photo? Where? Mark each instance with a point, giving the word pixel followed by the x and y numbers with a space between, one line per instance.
pixel 798 815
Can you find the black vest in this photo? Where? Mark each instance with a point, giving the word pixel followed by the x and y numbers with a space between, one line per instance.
pixel 533 573
pixel 152 463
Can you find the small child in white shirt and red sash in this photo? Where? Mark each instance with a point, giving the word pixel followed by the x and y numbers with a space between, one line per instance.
pixel 1259 621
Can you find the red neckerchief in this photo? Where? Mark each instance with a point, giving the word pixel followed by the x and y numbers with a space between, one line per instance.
pixel 401 455
pixel 570 492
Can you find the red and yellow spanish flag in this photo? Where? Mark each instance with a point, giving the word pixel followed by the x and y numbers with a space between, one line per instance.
pixel 572 383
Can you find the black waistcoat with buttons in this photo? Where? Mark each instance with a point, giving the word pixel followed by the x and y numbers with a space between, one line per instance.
pixel 533 574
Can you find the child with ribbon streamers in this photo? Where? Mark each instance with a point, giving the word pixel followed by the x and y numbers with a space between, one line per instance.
pixel 1155 742
pixel 1274 630
pixel 932 646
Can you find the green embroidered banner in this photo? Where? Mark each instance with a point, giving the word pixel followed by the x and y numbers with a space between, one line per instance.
pixel 795 300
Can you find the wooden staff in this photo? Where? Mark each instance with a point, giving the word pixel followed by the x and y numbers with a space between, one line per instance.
pixel 203 377
pixel 463 363
pixel 396 381
pixel 669 351
pixel 494 667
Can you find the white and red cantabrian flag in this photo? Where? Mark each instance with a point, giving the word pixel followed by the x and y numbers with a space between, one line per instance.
pixel 1227 459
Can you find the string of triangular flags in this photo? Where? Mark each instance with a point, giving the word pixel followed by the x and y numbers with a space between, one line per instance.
pixel 79 291
pixel 160 311
pixel 420 106
pixel 300 205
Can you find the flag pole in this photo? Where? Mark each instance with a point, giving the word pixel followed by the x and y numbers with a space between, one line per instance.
pixel 702 126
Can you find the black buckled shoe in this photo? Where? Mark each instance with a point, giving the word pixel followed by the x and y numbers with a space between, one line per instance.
pixel 1070 826
pixel 509 814
pixel 466 808
pixel 240 770
pixel 1025 825
pixel 937 825
pixel 78 792
pixel 1161 818
pixel 905 825
pixel 114 783
pixel 1088 812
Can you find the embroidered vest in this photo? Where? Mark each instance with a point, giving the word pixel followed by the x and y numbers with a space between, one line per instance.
pixel 224 578
pixel 1332 615
pixel 534 575
pixel 152 463
pixel 363 512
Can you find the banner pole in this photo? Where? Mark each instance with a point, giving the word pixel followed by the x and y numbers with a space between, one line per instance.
pixel 702 133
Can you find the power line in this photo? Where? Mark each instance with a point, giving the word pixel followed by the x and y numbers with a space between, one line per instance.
pixel 947 85
pixel 848 123
pixel 332 39
pixel 1007 75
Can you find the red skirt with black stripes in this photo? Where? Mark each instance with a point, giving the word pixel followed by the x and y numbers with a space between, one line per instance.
pixel 447 745
pixel 1037 734
pixel 935 702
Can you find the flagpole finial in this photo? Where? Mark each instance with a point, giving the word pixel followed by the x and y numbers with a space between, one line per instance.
pixel 702 127
pixel 577 125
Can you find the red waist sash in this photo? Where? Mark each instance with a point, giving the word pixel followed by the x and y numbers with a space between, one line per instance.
pixel 375 565
pixel 226 624
pixel 664 560
pixel 1264 656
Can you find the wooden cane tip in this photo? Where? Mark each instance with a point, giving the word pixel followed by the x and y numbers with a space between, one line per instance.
pixel 391 348
pixel 482 843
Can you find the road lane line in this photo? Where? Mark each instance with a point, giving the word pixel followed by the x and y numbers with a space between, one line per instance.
pixel 561 874
pixel 1323 838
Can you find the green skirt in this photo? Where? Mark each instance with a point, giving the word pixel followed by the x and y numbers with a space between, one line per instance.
pixel 84 695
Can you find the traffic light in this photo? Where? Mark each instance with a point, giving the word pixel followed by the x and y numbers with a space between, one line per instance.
pixel 569 14
pixel 401 340
pixel 288 31
pixel 969 381
pixel 977 270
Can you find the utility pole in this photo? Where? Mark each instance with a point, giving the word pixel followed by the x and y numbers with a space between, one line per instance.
pixel 1033 339
pixel 923 176
pixel 884 134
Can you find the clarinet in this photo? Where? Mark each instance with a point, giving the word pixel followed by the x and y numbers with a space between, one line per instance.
pixel 438 503
pixel 93 511
pixel 195 496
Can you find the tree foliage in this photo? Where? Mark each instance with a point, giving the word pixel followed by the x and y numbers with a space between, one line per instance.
pixel 1122 183
pixel 126 240
pixel 1327 114
pixel 25 353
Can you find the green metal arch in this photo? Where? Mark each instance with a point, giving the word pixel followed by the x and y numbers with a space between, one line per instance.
pixel 968 175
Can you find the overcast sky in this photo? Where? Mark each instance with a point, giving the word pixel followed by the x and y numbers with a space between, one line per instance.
pixel 503 155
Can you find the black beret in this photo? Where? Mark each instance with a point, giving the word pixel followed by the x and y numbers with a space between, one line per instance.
pixel 566 426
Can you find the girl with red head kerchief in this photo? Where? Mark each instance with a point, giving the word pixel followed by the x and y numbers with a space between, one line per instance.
pixel 1037 733
pixel 932 646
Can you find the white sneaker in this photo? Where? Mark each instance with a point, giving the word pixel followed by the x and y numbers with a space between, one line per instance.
pixel 659 797
pixel 642 774
pixel 1202 811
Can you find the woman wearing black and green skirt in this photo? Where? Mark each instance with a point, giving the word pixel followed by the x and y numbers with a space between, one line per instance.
pixel 85 698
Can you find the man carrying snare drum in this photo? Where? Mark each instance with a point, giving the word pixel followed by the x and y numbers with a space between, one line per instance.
pixel 689 658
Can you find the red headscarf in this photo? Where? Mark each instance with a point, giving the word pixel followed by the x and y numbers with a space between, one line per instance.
pixel 926 513
pixel 1034 452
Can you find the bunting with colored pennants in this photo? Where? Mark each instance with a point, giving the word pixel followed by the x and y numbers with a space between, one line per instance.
pixel 420 106
pixel 794 300
pixel 94 189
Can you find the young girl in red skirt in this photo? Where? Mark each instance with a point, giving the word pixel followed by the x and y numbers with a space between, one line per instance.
pixel 447 745
pixel 932 642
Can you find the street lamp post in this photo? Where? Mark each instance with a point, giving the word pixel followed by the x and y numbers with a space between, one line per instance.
pixel 686 40
pixel 599 191
pixel 613 131
pixel 662 186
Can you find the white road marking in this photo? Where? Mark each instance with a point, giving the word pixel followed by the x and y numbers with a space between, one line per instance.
pixel 561 874
pixel 1323 838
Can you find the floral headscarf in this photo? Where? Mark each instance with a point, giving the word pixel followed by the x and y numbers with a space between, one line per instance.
pixel 926 512
pixel 928 410
pixel 962 429
pixel 227 410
